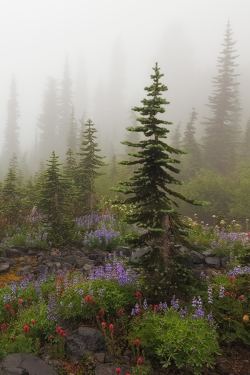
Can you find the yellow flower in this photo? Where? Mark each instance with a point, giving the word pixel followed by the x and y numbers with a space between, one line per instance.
pixel 245 318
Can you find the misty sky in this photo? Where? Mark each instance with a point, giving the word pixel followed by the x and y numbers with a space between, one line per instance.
pixel 182 36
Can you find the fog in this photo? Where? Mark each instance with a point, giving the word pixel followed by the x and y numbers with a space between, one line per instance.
pixel 112 46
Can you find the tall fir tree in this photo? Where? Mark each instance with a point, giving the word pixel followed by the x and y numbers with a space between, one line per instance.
pixel 65 106
pixel 72 132
pixel 53 202
pixel 193 161
pixel 149 186
pixel 11 143
pixel 11 200
pixel 176 137
pixel 81 94
pixel 88 165
pixel 245 145
pixel 47 120
pixel 219 140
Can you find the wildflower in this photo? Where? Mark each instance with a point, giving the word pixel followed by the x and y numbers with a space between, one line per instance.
pixel 33 321
pixel 7 307
pixel 88 298
pixel 241 298
pixel 120 312
pixel 245 318
pixel 227 294
pixel 103 325
pixel 139 361
pixel 12 311
pixel 26 330
pixel 29 298
pixel 138 295
pixel 97 317
pixel 3 328
pixel 101 311
pixel 137 320
pixel 51 337
pixel 111 327
pixel 117 370
pixel 155 308
pixel 137 342
pixel 38 344
pixel 231 279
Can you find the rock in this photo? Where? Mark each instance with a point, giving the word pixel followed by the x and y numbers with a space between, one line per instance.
pixel 25 364
pixel 139 252
pixel 196 257
pixel 225 261
pixel 4 267
pixel 108 369
pixel 213 262
pixel 208 253
pixel 84 340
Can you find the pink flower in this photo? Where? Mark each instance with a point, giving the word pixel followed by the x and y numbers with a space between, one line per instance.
pixel 19 302
pixel 120 312
pixel 101 311
pixel 118 371
pixel 156 308
pixel 88 298
pixel 51 337
pixel 241 298
pixel 227 294
pixel 231 279
pixel 32 321
pixel 26 330
pixel 103 325
pixel 12 311
pixel 138 295
pixel 97 317
pixel 111 327
pixel 7 307
pixel 137 342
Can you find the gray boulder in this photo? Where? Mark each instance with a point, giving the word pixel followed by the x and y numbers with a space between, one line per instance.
pixel 139 252
pixel 213 262
pixel 84 340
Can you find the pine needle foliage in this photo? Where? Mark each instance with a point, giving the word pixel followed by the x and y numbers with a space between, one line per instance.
pixel 150 183
pixel 88 165
pixel 54 202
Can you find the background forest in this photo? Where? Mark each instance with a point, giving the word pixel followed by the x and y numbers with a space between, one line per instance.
pixel 216 169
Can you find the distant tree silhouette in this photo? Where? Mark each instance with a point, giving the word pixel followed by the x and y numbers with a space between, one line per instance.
pixel 219 140
pixel 11 143
pixel 65 106
pixel 192 162
pixel 72 132
pixel 47 120
pixel 246 142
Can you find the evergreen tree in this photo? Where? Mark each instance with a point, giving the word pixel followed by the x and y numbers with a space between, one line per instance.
pixel 11 144
pixel 151 194
pixel 72 132
pixel 176 137
pixel 88 164
pixel 192 162
pixel 53 201
pixel 13 164
pixel 11 200
pixel 47 120
pixel 65 106
pixel 219 140
pixel 246 142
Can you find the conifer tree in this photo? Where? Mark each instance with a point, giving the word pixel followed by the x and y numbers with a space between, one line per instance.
pixel 11 144
pixel 246 142
pixel 219 140
pixel 192 162
pixel 65 106
pixel 11 200
pixel 53 201
pixel 72 132
pixel 88 165
pixel 176 139
pixel 47 120
pixel 150 184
